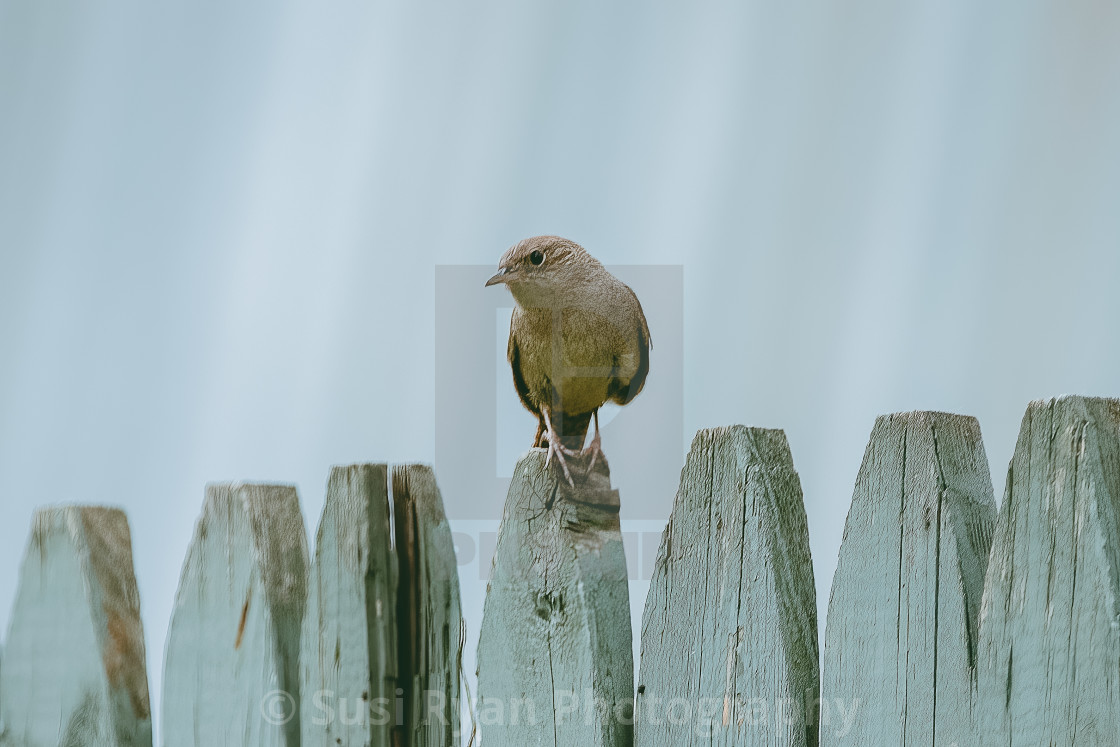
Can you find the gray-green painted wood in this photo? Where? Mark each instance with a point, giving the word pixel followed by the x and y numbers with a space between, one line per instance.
pixel 729 633
pixel 1049 669
pixel 555 658
pixel 74 672
pixel 429 616
pixel 231 667
pixel 348 656
pixel 900 645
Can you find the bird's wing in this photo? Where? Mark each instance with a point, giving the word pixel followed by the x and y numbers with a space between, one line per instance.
pixel 621 390
pixel 513 354
pixel 647 341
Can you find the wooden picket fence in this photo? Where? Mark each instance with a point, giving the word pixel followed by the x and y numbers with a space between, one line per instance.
pixel 950 623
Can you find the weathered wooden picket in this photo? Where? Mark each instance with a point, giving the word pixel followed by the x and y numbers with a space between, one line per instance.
pixel 949 623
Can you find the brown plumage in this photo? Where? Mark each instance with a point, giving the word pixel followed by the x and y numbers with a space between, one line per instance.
pixel 578 338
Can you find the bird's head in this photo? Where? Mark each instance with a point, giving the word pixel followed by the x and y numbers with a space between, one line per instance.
pixel 539 269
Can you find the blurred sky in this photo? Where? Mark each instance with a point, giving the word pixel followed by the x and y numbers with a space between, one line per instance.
pixel 220 223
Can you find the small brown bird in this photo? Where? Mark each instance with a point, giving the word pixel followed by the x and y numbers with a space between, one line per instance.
pixel 577 339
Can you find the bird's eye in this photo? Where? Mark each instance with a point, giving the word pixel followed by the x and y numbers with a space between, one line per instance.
pixel 536 256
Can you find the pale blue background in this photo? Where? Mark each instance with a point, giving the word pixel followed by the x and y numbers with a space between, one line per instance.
pixel 219 225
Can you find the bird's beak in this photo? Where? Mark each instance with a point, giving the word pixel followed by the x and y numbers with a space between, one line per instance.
pixel 501 277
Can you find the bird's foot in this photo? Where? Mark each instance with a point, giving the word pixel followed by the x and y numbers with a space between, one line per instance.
pixel 555 447
pixel 595 448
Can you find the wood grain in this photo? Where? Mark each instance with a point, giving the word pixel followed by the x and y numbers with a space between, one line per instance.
pixel 555 658
pixel 429 616
pixel 348 656
pixel 1050 622
pixel 729 633
pixel 900 644
pixel 231 672
pixel 74 671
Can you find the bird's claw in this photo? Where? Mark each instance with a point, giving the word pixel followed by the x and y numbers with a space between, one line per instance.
pixel 595 448
pixel 556 447
pixel 559 450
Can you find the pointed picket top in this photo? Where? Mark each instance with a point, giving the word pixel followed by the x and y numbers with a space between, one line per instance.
pixel 74 671
pixel 429 611
pixel 555 661
pixel 1050 620
pixel 382 639
pixel 729 633
pixel 348 656
pixel 231 665
pixel 900 644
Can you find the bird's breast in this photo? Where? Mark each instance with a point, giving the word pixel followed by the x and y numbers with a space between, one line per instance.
pixel 576 352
